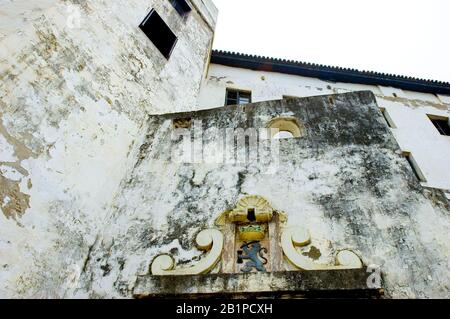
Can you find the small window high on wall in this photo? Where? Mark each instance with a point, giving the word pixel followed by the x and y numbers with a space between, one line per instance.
pixel 159 33
pixel 441 123
pixel 238 97
pixel 181 6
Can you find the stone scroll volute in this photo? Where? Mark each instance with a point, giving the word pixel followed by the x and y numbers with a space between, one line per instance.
pixel 210 240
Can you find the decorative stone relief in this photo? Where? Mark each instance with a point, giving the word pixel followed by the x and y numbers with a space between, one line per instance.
pixel 210 240
pixel 299 236
pixel 253 239
pixel 251 209
pixel 254 253
pixel 251 232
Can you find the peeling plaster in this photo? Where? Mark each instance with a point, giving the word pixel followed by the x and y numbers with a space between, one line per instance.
pixel 73 110
pixel 15 203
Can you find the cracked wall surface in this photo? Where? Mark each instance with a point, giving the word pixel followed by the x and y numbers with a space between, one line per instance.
pixel 346 181
pixel 77 82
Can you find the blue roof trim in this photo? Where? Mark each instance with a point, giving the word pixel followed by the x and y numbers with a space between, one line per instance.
pixel 328 73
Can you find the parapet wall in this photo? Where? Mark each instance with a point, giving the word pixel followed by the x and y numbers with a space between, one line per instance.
pixel 344 179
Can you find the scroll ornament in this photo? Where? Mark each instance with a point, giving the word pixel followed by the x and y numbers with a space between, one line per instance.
pixel 210 240
pixel 299 236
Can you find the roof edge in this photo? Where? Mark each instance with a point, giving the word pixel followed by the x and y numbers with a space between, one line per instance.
pixel 328 73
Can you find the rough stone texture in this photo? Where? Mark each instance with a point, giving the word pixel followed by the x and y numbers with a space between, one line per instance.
pixel 408 110
pixel 77 81
pixel 290 284
pixel 346 181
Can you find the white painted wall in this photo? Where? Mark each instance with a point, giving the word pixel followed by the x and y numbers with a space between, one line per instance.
pixel 77 81
pixel 414 131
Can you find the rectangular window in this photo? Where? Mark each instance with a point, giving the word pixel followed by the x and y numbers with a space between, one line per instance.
pixel 412 162
pixel 181 6
pixel 159 33
pixel 238 97
pixel 441 123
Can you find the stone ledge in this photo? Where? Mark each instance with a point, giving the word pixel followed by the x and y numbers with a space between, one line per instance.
pixel 291 284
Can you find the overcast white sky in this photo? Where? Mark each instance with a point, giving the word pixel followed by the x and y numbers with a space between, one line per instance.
pixel 408 37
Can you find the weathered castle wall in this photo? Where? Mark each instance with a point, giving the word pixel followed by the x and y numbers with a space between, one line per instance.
pixel 408 110
pixel 346 181
pixel 77 81
pixel 89 193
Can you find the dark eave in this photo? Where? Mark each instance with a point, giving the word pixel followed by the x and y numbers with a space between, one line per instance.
pixel 328 73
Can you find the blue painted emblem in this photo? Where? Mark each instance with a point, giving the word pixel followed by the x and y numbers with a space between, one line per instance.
pixel 252 252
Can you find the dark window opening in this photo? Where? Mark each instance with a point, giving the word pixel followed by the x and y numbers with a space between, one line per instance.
pixel 441 124
pixel 181 6
pixel 238 97
pixel 159 33
pixel 251 214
